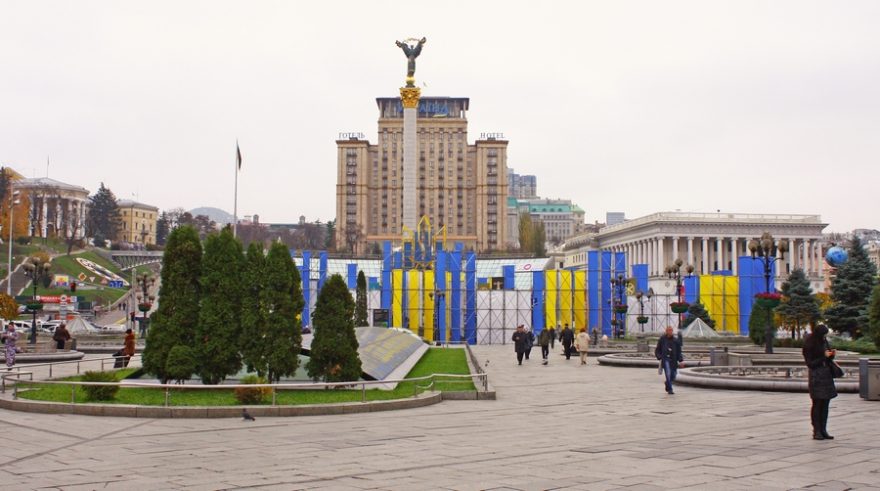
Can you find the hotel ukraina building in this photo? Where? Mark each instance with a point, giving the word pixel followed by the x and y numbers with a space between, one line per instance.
pixel 710 242
pixel 460 186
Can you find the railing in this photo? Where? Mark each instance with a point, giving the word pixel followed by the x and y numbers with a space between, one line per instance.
pixel 78 363
pixel 432 379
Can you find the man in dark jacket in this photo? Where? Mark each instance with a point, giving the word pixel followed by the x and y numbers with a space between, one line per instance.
pixel 567 338
pixel 544 340
pixel 519 343
pixel 668 351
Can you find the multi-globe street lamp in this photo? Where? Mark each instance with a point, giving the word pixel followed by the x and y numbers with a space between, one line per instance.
pixel 618 289
pixel 768 252
pixel 673 272
pixel 145 300
pixel 36 269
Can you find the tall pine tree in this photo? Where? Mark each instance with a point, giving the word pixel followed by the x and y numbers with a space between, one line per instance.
pixel 104 219
pixel 360 312
pixel 254 322
pixel 799 307
pixel 696 311
pixel 850 290
pixel 334 356
pixel 175 321
pixel 282 300
pixel 219 327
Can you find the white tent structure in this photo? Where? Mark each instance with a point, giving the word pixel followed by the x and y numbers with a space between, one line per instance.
pixel 699 329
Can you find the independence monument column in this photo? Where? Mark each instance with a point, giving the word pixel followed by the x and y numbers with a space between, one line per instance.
pixel 409 97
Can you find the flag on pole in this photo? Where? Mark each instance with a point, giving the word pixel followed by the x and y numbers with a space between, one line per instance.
pixel 238 155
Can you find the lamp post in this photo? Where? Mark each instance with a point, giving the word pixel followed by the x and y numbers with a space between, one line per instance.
pixel 768 253
pixel 642 319
pixel 618 287
pixel 650 295
pixel 12 202
pixel 145 300
pixel 673 272
pixel 36 269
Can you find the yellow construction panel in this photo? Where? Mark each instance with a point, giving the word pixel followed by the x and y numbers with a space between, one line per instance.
pixel 397 298
pixel 720 296
pixel 550 294
pixel 565 286
pixel 580 299
pixel 428 303
pixel 413 285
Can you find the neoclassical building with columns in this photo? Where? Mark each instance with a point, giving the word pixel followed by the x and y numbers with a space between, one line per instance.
pixel 711 242
pixel 57 209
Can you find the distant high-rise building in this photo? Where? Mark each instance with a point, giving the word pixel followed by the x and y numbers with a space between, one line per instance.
pixel 562 219
pixel 521 186
pixel 460 186
pixel 614 217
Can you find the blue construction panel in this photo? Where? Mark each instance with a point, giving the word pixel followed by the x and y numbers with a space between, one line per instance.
pixel 407 255
pixel 397 261
pixel 387 263
pixel 440 282
pixel 322 269
pixel 352 276
pixel 455 310
pixel 605 279
pixel 373 283
pixel 640 273
pixel 470 321
pixel 509 276
pixel 620 264
pixel 593 306
pixel 305 274
pixel 722 272
pixel 751 282
pixel 691 288
pixel 538 287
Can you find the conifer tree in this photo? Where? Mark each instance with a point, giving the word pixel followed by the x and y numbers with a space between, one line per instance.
pixel 696 311
pixel 334 356
pixel 254 322
pixel 219 326
pixel 174 322
pixel 799 307
pixel 360 315
pixel 758 320
pixel 104 219
pixel 850 290
pixel 282 300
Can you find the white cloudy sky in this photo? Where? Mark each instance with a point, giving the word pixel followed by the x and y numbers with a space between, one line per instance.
pixel 742 106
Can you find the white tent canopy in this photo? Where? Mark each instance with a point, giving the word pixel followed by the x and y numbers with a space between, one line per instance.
pixel 699 329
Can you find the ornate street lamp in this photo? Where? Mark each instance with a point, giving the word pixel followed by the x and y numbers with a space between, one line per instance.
pixel 36 269
pixel 673 272
pixel 768 252
pixel 642 319
pixel 618 288
pixel 145 300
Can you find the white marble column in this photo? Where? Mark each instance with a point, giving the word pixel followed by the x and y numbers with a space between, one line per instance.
pixel 806 254
pixel 655 260
pixel 410 172
pixel 690 254
pixel 44 210
pixel 705 266
pixel 675 254
pixel 719 253
pixel 734 245
pixel 661 262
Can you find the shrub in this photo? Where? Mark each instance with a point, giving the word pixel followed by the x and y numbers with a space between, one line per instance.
pixel 22 240
pixel 861 345
pixel 181 363
pixel 252 395
pixel 100 392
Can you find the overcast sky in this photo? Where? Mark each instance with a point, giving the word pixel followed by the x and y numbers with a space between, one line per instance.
pixel 758 107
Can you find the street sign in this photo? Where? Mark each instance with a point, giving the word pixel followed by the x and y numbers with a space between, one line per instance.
pixel 115 284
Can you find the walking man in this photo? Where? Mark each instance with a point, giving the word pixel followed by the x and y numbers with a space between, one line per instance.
pixel 544 339
pixel 582 343
pixel 553 333
pixel 668 351
pixel 519 343
pixel 530 341
pixel 567 338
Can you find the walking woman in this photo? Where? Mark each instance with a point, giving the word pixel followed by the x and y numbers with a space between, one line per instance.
pixel 819 357
pixel 10 337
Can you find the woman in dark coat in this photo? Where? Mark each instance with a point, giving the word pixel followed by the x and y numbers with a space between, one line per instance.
pixel 818 357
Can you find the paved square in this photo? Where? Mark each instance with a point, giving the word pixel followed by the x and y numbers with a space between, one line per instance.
pixel 562 426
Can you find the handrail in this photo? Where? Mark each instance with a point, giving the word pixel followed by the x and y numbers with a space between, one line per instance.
pixel 66 362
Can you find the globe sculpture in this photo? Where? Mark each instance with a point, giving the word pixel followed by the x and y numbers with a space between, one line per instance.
pixel 836 256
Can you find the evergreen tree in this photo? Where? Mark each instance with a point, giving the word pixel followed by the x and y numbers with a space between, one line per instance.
pixel 698 311
pixel 334 355
pixel 360 316
pixel 175 321
pixel 254 322
pixel 758 323
pixel 283 301
pixel 330 238
pixel 799 307
pixel 163 225
pixel 104 219
pixel 850 291
pixel 219 327
pixel 525 232
pixel 874 316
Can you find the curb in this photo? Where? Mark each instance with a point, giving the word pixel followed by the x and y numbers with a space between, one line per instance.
pixel 131 411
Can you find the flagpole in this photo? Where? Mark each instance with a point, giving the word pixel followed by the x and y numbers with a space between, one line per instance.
pixel 235 200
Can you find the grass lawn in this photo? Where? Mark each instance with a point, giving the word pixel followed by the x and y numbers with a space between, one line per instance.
pixel 436 360
pixel 68 265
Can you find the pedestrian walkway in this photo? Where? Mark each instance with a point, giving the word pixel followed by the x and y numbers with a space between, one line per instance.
pixel 562 426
